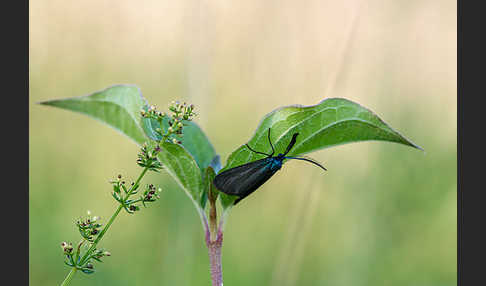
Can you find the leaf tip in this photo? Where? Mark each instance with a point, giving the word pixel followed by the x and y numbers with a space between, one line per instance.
pixel 51 102
pixel 46 102
pixel 411 144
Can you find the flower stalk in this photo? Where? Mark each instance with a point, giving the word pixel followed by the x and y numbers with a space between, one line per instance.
pixel 169 131
pixel 69 277
pixel 89 227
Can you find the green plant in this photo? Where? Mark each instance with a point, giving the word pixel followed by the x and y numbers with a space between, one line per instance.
pixel 192 161
pixel 90 227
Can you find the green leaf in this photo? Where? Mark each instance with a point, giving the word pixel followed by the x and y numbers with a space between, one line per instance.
pixel 183 168
pixel 332 122
pixel 196 142
pixel 119 106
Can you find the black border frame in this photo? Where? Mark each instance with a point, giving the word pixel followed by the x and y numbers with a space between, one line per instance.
pixel 15 123
pixel 471 242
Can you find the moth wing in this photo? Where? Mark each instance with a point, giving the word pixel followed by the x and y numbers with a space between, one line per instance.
pixel 232 180
pixel 245 179
pixel 254 181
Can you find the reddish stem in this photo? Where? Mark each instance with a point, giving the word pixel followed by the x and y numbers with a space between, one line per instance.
pixel 214 248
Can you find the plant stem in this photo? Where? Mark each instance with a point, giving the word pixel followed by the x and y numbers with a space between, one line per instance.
pixel 93 246
pixel 102 233
pixel 78 250
pixel 213 217
pixel 70 276
pixel 214 240
pixel 214 248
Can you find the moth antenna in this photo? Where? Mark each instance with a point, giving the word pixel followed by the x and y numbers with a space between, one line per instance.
pixel 273 149
pixel 310 160
pixel 248 146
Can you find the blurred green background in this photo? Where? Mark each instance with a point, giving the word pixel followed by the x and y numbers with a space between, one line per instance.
pixel 384 214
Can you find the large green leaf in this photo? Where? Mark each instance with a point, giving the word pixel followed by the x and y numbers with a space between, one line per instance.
pixel 119 106
pixel 332 122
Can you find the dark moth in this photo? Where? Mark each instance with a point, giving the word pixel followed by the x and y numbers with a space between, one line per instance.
pixel 243 180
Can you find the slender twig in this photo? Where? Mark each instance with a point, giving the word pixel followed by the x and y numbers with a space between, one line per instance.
pixel 70 276
pixel 105 229
pixel 147 159
pixel 86 256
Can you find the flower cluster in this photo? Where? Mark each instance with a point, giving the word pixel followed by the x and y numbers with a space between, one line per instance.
pixel 147 157
pixel 131 205
pixel 67 248
pixel 150 195
pixel 180 112
pixel 89 227
pixel 99 253
pixel 88 267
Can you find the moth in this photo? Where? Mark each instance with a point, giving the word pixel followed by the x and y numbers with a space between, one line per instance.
pixel 243 180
